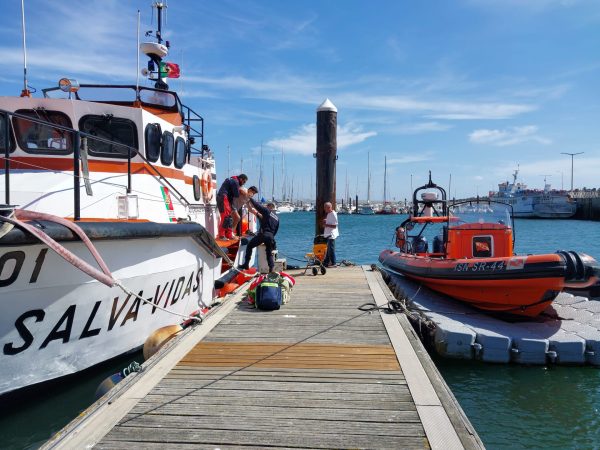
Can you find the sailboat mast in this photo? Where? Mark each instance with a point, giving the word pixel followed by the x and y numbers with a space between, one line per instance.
pixel 260 173
pixel 292 191
pixel 368 177
pixel 273 181
pixel 385 180
pixel 283 183
pixel 347 190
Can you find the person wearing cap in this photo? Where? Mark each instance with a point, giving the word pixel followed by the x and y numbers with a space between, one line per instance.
pixel 228 192
pixel 269 224
pixel 239 203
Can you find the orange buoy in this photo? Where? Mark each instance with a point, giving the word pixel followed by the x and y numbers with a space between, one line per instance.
pixel 158 338
pixel 244 275
pixel 228 289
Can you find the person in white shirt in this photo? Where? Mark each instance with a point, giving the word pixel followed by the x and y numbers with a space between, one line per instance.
pixel 331 233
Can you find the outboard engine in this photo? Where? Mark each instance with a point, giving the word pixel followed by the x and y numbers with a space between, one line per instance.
pixel 581 269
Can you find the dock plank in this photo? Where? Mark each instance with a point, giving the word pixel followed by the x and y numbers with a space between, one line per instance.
pixel 318 373
pixel 291 424
pixel 290 439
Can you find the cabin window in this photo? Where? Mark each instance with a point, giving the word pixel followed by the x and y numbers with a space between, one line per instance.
pixel 180 150
pixel 158 98
pixel 11 140
pixel 39 135
pixel 168 148
pixel 152 136
pixel 483 247
pixel 114 129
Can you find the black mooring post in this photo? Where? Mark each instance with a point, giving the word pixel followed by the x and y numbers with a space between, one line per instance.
pixel 326 156
pixel 76 180
pixel 6 159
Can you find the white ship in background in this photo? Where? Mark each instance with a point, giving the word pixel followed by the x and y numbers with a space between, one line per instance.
pixel 534 203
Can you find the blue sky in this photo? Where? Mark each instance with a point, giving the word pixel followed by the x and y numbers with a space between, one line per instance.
pixel 465 88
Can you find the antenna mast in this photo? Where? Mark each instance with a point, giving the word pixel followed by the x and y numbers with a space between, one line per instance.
pixel 260 176
pixel 156 51
pixel 368 177
pixel 137 71
pixel 25 92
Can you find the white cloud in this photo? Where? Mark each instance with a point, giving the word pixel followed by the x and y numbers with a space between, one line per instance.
pixel 284 87
pixel 280 88
pixel 64 41
pixel 422 127
pixel 304 140
pixel 509 136
pixel 437 109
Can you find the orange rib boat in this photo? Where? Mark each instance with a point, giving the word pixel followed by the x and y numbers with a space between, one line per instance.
pixel 472 258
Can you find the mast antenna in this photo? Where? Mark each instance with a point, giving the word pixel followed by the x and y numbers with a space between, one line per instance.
pixel 25 92
pixel 137 78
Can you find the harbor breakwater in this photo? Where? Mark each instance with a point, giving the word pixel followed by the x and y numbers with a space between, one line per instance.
pixel 588 205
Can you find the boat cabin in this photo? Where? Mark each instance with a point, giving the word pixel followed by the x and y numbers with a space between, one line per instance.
pixel 472 229
pixel 140 149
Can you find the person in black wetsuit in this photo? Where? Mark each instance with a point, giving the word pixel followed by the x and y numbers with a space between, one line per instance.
pixel 269 224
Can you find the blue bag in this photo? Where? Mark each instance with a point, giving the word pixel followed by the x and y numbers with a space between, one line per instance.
pixel 268 296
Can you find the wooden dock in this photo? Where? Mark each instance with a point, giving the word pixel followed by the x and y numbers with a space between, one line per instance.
pixel 318 373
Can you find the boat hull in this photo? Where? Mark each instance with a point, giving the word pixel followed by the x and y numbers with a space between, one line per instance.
pixel 523 285
pixel 57 321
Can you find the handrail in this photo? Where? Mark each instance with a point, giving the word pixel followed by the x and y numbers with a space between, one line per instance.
pixel 190 116
pixel 76 181
pixel 6 139
pixel 77 136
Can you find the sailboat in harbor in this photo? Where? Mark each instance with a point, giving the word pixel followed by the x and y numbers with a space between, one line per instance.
pixel 285 205
pixel 387 207
pixel 366 208
pixel 346 207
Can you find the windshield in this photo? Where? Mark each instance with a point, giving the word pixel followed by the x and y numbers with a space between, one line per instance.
pixel 480 212
pixel 118 95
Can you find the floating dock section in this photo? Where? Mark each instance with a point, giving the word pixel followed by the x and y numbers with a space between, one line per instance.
pixel 318 373
pixel 568 332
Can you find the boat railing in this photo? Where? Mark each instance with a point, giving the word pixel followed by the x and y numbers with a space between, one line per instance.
pixel 78 137
pixel 194 123
pixel 130 95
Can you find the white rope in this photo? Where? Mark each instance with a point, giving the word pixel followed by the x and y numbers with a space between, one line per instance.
pixel 106 277
pixel 154 305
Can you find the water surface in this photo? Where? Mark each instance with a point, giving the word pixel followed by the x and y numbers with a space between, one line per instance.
pixel 510 406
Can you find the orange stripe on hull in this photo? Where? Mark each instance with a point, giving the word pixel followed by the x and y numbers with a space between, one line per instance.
pixel 66 164
pixel 97 219
pixel 501 295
